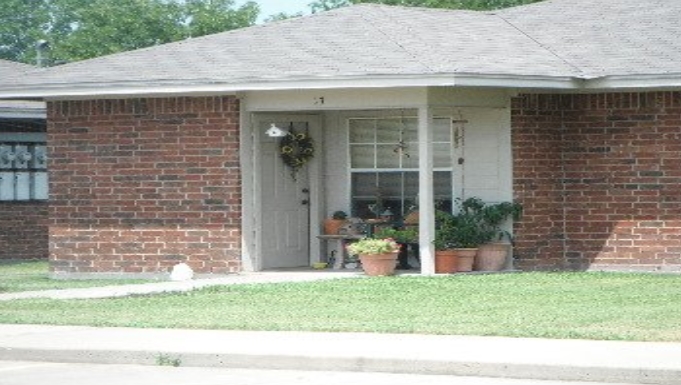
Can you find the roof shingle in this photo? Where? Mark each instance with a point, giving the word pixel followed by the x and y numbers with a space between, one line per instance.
pixel 554 39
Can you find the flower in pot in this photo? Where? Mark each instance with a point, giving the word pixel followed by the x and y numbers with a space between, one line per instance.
pixel 377 255
pixel 333 224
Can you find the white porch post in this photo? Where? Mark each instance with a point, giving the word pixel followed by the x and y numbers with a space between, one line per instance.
pixel 426 194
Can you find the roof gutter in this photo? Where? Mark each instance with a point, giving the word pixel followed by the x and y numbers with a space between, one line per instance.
pixel 623 82
pixel 202 87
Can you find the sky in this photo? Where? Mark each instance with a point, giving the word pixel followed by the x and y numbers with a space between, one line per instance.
pixel 270 7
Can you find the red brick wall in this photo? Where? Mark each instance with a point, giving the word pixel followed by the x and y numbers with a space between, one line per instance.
pixel 138 185
pixel 23 230
pixel 600 178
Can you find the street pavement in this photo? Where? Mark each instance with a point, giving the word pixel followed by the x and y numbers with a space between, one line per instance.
pixel 30 373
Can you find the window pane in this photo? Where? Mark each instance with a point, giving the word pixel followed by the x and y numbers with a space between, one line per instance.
pixel 364 185
pixel 442 130
pixel 410 156
pixel 390 185
pixel 362 130
pixel 388 130
pixel 387 157
pixel 362 156
pixel 442 155
pixel 411 185
pixel 410 130
pixel 442 184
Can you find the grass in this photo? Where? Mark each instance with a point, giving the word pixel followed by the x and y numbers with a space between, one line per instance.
pixel 18 276
pixel 606 306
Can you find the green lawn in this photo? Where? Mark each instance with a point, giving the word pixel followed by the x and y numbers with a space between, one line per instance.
pixel 644 307
pixel 33 275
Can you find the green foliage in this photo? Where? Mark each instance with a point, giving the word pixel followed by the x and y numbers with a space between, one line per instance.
pixel 474 223
pixel 463 230
pixel 325 5
pixel 83 29
pixel 373 246
pixel 282 16
pixel 340 215
pixel 407 235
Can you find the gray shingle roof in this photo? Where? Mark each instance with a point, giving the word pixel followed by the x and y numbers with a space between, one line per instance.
pixel 10 69
pixel 606 37
pixel 555 39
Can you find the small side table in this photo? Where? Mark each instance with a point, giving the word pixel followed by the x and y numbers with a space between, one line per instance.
pixel 342 241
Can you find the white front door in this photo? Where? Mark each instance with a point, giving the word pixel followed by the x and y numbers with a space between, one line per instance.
pixel 285 202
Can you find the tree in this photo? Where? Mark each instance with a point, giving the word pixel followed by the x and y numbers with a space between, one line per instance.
pixel 282 16
pixel 325 5
pixel 21 23
pixel 83 29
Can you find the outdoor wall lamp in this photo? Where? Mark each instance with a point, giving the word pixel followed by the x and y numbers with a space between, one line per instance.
pixel 276 132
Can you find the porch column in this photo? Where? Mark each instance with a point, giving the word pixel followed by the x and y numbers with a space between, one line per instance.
pixel 426 194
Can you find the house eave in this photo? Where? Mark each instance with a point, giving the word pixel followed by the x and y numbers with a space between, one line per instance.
pixel 11 113
pixel 635 82
pixel 202 87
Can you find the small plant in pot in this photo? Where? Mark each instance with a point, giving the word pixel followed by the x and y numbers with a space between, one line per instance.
pixel 405 237
pixel 333 224
pixel 377 255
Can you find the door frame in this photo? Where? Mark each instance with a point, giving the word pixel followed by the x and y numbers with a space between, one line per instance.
pixel 253 207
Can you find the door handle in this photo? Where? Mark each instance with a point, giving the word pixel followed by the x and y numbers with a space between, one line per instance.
pixel 305 202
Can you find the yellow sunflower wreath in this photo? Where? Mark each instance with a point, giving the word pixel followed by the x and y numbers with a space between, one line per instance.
pixel 296 150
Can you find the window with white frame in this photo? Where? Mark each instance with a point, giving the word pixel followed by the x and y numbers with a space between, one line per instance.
pixel 384 163
pixel 23 167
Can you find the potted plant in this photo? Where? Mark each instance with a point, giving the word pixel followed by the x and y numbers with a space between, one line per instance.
pixel 492 255
pixel 378 256
pixel 463 232
pixel 333 224
pixel 405 237
pixel 446 258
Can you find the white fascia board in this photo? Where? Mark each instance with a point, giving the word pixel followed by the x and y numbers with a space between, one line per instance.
pixel 635 82
pixel 20 113
pixel 121 90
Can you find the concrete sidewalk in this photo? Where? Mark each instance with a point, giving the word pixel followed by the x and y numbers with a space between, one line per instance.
pixel 568 360
pixel 182 286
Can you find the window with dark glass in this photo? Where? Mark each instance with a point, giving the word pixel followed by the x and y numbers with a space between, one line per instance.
pixel 384 162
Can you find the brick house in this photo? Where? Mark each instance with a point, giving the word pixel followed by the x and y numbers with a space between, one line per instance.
pixel 570 107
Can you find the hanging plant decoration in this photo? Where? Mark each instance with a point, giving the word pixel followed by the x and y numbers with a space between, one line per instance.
pixel 296 149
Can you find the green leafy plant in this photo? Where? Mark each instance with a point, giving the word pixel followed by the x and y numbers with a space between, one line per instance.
pixel 494 215
pixel 373 246
pixel 407 235
pixel 463 230
pixel 340 215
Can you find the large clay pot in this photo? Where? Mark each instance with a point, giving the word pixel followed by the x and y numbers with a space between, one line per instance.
pixel 446 261
pixel 492 256
pixel 466 259
pixel 378 264
pixel 331 226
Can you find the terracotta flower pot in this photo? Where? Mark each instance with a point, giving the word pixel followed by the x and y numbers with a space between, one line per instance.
pixel 379 264
pixel 445 261
pixel 492 256
pixel 466 259
pixel 331 226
